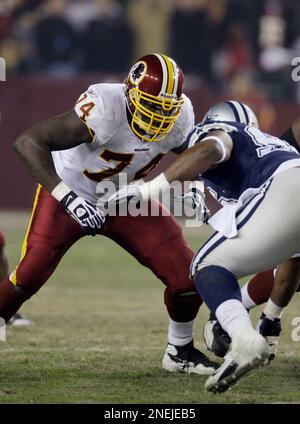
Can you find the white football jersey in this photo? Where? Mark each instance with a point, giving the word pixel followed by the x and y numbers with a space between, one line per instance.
pixel 115 148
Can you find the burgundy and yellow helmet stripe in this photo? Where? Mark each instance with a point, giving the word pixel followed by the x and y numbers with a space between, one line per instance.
pixel 170 75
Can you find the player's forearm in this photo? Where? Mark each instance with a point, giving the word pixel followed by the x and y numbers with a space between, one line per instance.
pixel 193 162
pixel 38 160
pixel 187 167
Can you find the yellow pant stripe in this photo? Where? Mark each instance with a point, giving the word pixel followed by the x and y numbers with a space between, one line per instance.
pixel 13 277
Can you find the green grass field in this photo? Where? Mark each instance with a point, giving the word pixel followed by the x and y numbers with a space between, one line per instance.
pixel 99 335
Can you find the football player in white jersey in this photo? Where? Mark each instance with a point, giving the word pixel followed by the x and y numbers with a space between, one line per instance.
pixel 115 128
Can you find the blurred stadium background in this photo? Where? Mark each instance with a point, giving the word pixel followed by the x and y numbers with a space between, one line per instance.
pixel 98 337
pixel 54 49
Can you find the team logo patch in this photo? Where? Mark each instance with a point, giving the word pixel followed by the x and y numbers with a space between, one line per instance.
pixel 138 72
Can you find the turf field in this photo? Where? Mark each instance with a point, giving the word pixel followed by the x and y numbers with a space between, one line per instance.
pixel 99 335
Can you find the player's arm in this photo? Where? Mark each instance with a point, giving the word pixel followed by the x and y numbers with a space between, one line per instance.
pixel 34 147
pixel 212 150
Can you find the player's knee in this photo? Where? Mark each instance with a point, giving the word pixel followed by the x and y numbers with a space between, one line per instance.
pixel 198 265
pixel 35 268
pixel 172 262
pixel 216 284
pixel 24 293
pixel 182 307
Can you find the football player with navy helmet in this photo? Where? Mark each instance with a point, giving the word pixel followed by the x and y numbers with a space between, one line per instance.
pixel 254 176
pixel 261 288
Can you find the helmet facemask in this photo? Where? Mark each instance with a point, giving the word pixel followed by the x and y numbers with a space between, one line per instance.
pixel 153 117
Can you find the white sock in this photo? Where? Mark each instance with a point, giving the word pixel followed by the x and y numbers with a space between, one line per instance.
pixel 246 299
pixel 180 333
pixel 233 317
pixel 272 310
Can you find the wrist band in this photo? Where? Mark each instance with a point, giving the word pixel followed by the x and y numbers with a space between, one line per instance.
pixel 220 143
pixel 154 187
pixel 60 191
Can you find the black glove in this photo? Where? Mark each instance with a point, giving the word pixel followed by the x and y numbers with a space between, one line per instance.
pixel 84 212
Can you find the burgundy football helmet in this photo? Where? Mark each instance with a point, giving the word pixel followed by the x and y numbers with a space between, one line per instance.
pixel 153 90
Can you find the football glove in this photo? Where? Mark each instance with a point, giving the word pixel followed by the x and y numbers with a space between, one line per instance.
pixel 84 212
pixel 195 198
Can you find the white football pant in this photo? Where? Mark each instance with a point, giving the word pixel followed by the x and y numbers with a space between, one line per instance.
pixel 269 237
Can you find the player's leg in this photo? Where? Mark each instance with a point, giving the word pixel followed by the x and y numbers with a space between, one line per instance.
pixel 50 234
pixel 221 261
pixel 18 320
pixel 286 283
pixel 3 258
pixel 157 242
pixel 259 288
pixel 276 287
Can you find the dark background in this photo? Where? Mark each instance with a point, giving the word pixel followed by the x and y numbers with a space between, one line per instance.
pixel 228 49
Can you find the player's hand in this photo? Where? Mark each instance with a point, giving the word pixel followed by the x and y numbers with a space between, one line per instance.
pixel 195 198
pixel 84 212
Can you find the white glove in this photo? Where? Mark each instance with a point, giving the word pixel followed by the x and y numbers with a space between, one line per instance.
pixel 195 198
pixel 84 212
